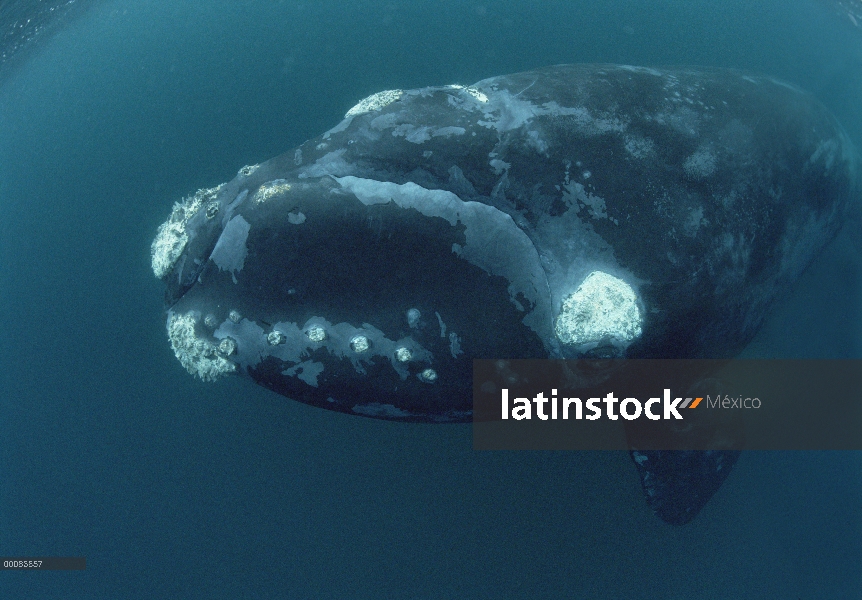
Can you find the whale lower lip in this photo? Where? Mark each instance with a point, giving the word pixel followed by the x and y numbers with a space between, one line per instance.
pixel 324 267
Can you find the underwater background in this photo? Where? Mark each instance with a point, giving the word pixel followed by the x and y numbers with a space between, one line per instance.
pixel 111 111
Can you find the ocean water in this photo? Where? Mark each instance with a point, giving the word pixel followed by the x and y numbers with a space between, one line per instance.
pixel 110 111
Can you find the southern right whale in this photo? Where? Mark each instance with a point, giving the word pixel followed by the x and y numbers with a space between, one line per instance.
pixel 596 211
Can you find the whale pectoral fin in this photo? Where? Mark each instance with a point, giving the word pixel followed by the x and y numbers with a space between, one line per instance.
pixel 677 484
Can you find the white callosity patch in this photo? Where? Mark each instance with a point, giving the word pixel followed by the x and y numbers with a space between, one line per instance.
pixel 413 316
pixel 230 249
pixel 316 333
pixel 252 342
pixel 172 237
pixel 275 338
pixel 374 102
pixel 227 347
pixel 493 241
pixel 199 356
pixel 603 308
pixel 570 250
pixel 169 244
pixel 359 344
pixel 270 189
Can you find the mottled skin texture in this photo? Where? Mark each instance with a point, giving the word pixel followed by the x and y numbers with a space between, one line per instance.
pixel 707 191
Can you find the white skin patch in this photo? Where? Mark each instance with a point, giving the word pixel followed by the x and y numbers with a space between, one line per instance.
pixel 472 91
pixel 307 371
pixel 374 102
pixel 230 251
pixel 602 307
pixel 574 194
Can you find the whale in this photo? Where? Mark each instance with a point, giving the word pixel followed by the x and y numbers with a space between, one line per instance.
pixel 574 211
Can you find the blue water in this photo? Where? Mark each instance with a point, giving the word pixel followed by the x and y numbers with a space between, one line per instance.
pixel 172 488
